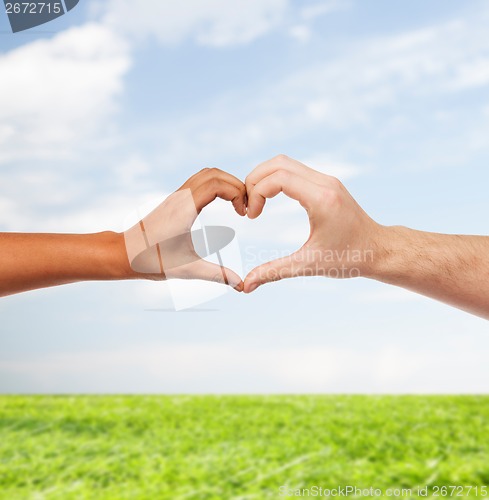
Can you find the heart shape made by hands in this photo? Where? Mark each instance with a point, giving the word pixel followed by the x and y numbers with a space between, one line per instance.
pixel 161 245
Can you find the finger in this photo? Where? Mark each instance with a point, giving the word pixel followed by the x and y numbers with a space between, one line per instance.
pixel 218 188
pixel 283 162
pixel 275 270
pixel 209 175
pixel 225 176
pixel 291 184
pixel 208 271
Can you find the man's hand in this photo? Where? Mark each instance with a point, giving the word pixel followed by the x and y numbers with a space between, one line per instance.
pixel 344 242
pixel 342 235
pixel 160 246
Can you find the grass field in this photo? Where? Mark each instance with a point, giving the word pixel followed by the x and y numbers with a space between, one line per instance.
pixel 211 447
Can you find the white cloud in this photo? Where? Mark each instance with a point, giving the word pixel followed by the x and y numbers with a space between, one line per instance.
pixel 472 74
pixel 388 294
pixel 341 170
pixel 132 172
pixel 284 222
pixel 79 74
pixel 75 79
pixel 301 32
pixel 221 368
pixel 58 97
pixel 216 23
pixel 363 81
pixel 368 82
pixel 322 8
pixel 57 93
pixel 58 208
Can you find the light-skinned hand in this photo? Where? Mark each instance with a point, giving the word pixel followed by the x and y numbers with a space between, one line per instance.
pixel 342 235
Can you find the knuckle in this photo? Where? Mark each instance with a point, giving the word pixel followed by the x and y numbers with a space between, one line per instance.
pixel 335 183
pixel 213 184
pixel 249 184
pixel 281 158
pixel 331 196
pixel 282 175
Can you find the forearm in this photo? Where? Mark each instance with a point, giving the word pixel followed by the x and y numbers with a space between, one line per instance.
pixel 451 268
pixel 30 261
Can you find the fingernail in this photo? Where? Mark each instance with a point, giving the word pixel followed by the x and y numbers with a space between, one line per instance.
pixel 239 287
pixel 253 287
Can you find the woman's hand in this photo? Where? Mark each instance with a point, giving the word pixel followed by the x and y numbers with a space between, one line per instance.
pixel 160 246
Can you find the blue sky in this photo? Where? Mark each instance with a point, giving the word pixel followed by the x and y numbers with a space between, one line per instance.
pixel 109 107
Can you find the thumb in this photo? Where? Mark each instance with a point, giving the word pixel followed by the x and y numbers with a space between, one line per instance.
pixel 275 270
pixel 208 271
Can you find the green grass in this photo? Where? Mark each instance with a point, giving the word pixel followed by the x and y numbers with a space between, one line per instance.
pixel 211 447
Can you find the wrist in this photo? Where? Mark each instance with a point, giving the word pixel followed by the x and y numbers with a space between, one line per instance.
pixel 115 256
pixel 389 253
